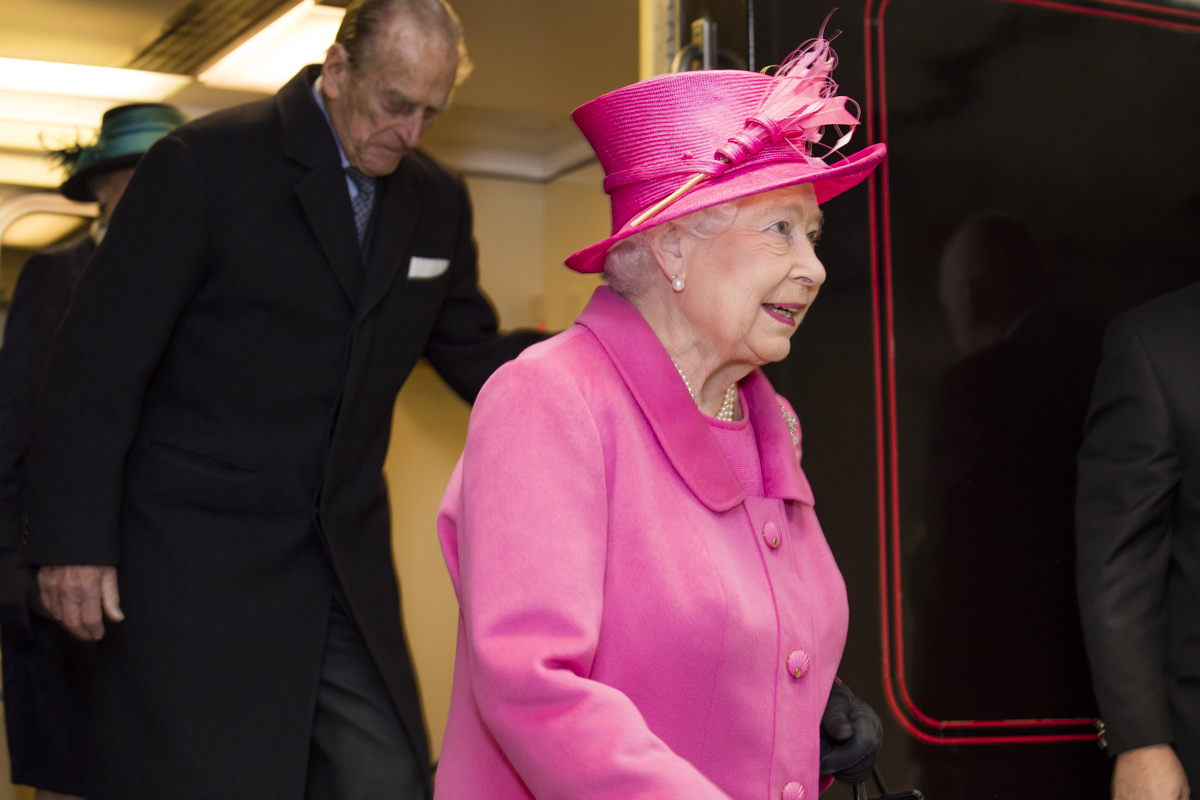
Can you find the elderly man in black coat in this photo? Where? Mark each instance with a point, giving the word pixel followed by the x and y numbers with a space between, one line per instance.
pixel 215 422
pixel 1138 531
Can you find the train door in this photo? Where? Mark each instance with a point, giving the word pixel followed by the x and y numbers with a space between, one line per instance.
pixel 1042 177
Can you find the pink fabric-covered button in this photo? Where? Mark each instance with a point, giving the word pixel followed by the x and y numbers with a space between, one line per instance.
pixel 771 534
pixel 798 663
pixel 792 790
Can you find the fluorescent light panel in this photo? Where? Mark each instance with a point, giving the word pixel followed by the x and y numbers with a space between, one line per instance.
pixel 41 136
pixel 60 120
pixel 29 170
pixel 54 109
pixel 271 57
pixel 35 231
pixel 81 80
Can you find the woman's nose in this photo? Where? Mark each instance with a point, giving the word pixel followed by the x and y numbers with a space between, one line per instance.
pixel 808 269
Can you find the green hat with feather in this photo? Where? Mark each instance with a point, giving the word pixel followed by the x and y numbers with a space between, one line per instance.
pixel 126 133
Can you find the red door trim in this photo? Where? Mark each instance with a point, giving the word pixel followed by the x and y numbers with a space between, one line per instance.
pixel 918 724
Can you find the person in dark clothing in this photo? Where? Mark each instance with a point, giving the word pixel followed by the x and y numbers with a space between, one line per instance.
pixel 1138 531
pixel 47 673
pixel 216 417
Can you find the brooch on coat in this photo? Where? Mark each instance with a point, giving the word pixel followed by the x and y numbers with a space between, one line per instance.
pixel 792 423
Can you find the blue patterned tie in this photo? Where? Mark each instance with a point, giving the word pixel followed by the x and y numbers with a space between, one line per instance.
pixel 363 201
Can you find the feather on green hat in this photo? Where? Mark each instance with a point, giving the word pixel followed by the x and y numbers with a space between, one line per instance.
pixel 126 133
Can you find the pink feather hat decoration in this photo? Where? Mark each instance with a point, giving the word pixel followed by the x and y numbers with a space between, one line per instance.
pixel 680 143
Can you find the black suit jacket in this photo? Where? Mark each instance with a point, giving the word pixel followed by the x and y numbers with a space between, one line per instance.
pixel 215 421
pixel 1138 528
pixel 40 301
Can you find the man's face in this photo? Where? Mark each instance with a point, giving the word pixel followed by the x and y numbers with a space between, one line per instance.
pixel 380 108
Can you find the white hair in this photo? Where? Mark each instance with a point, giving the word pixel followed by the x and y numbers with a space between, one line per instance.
pixel 630 267
pixel 365 24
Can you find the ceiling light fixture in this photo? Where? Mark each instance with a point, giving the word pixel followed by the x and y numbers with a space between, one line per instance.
pixel 19 169
pixel 41 204
pixel 81 80
pixel 269 58
pixel 39 230
pixel 53 109
pixel 31 123
pixel 47 105
pixel 37 137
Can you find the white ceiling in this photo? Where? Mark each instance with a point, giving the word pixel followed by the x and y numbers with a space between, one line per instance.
pixel 547 55
pixel 535 60
pixel 99 32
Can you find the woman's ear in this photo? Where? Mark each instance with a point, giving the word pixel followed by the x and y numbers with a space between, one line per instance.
pixel 667 247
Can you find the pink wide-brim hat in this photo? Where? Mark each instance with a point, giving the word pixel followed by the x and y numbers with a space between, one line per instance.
pixel 653 135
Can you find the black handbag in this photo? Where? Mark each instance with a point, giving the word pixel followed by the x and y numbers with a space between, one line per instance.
pixel 860 790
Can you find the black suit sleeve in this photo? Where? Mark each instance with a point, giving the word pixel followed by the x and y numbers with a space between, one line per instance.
pixel 1129 470
pixel 465 346
pixel 139 281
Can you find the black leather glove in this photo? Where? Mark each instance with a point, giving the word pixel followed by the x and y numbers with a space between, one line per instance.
pixel 851 736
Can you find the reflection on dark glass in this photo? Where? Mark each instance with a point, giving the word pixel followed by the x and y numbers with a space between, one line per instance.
pixel 997 631
pixel 998 316
pixel 993 580
pixel 1078 131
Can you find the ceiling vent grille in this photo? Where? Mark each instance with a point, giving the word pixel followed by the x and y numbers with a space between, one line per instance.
pixel 203 29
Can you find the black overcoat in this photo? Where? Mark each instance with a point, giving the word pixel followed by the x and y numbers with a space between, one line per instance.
pixel 215 420
pixel 40 301
pixel 47 674
pixel 1138 528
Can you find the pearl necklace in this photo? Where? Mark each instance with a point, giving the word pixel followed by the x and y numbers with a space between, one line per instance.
pixel 726 412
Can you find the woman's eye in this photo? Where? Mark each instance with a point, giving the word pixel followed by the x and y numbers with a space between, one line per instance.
pixel 814 236
pixel 781 227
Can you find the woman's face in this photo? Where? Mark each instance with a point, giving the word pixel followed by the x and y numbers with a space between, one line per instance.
pixel 747 289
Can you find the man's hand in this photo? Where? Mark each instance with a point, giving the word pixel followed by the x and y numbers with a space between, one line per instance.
pixel 1149 773
pixel 81 597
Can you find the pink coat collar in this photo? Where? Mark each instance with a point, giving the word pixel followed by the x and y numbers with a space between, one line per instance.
pixel 681 429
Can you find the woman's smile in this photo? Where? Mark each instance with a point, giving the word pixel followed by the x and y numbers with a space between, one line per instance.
pixel 784 312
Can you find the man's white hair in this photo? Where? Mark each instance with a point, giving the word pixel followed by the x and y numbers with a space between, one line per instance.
pixel 365 21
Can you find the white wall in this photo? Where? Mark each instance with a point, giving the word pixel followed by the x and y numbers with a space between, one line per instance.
pixel 524 231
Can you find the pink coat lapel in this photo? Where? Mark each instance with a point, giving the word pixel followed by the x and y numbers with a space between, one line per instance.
pixel 681 429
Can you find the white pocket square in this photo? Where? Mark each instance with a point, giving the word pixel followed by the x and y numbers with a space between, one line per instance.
pixel 424 268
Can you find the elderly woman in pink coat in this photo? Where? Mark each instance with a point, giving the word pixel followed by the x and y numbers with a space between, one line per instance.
pixel 648 605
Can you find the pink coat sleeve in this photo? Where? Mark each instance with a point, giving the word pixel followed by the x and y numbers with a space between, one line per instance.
pixel 531 552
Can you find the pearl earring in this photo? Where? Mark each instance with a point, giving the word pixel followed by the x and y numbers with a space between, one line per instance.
pixel 677 283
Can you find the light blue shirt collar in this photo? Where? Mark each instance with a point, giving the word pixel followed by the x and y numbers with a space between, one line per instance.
pixel 316 90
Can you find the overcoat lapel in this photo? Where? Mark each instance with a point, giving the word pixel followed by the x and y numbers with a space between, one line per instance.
pixel 322 191
pixel 394 224
pixel 332 222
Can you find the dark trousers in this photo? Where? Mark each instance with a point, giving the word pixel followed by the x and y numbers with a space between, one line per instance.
pixel 360 750
pixel 47 684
